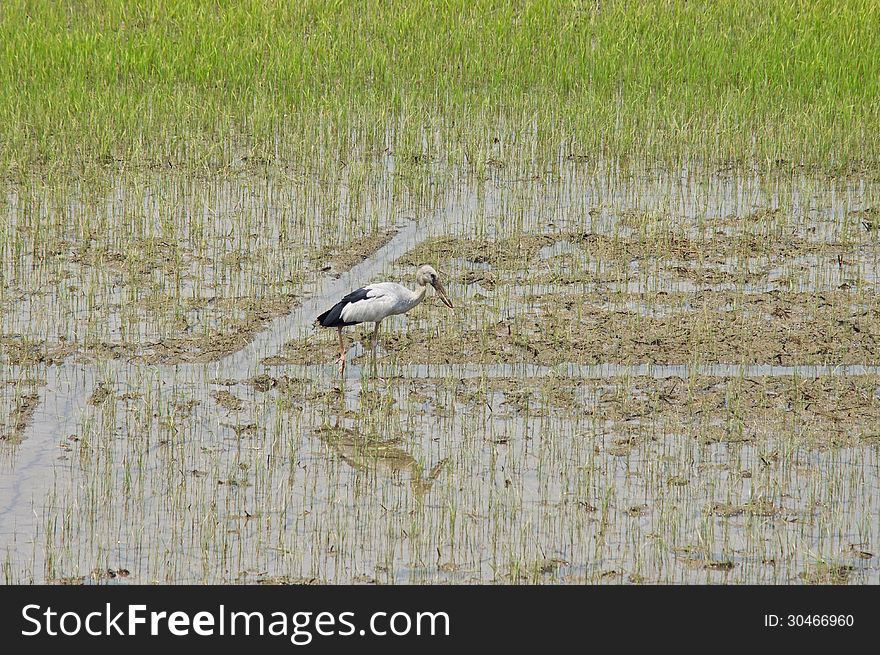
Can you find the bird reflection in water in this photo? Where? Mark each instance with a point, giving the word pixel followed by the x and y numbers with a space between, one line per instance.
pixel 383 457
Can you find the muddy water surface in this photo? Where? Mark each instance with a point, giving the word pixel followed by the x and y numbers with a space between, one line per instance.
pixel 657 378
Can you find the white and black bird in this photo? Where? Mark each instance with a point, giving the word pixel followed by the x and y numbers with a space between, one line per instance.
pixel 375 302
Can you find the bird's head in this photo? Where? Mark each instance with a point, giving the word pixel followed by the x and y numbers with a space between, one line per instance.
pixel 427 275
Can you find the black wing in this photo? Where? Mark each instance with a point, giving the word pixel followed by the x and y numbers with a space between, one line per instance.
pixel 333 316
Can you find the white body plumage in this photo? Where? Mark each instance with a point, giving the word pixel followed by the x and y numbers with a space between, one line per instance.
pixel 383 299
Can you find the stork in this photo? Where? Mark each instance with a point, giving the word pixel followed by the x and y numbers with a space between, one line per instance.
pixel 375 302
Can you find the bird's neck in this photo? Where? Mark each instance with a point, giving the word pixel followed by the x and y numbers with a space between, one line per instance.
pixel 415 297
pixel 418 296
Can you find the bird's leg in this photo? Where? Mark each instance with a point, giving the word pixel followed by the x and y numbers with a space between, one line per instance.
pixel 376 338
pixel 341 353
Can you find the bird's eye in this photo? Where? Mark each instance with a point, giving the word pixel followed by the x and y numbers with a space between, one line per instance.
pixel 433 277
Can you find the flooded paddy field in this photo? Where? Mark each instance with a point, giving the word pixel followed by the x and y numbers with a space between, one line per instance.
pixel 662 376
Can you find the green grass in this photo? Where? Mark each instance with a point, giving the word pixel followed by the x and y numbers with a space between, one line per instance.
pixel 192 83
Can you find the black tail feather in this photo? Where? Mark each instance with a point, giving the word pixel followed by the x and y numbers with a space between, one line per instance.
pixel 333 316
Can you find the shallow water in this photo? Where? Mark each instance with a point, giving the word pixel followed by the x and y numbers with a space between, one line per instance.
pixel 433 472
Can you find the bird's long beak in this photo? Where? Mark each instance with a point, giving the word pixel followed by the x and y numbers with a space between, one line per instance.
pixel 438 286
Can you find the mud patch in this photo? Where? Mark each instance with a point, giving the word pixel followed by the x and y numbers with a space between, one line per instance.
pixel 265 383
pixel 663 240
pixel 283 580
pixel 338 259
pixel 20 351
pixel 759 507
pixel 228 401
pixel 313 350
pixel 101 393
pixel 205 348
pixel 825 573
pixel 12 432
